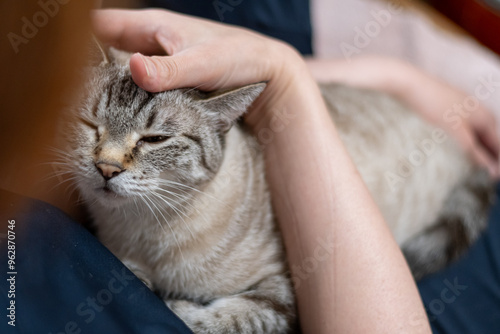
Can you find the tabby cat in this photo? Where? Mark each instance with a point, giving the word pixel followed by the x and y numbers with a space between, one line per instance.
pixel 177 191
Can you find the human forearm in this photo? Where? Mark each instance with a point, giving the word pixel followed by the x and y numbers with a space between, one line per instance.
pixel 364 285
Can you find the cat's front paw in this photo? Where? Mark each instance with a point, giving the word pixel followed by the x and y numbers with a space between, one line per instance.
pixel 139 272
pixel 192 314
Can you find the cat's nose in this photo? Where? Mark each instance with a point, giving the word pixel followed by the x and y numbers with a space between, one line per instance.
pixel 108 170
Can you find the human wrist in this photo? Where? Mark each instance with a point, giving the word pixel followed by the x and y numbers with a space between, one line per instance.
pixel 290 85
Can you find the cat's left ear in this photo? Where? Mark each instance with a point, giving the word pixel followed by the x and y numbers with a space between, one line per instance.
pixel 230 105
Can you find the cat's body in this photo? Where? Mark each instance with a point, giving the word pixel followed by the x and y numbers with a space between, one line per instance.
pixel 184 202
pixel 432 196
pixel 220 247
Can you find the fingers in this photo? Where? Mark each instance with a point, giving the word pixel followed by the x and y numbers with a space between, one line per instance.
pixel 488 135
pixel 483 158
pixel 150 32
pixel 200 53
pixel 128 30
pixel 187 69
pixel 478 152
pixel 157 74
pixel 483 126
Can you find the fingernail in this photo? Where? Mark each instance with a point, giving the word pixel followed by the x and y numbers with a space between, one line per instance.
pixel 150 66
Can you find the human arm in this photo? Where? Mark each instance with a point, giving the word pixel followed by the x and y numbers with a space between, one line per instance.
pixel 474 127
pixel 365 284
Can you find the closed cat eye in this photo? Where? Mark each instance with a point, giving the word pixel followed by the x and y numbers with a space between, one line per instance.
pixel 152 139
pixel 88 123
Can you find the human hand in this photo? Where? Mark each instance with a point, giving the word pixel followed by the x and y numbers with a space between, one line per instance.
pixel 435 100
pixel 181 51
pixel 463 116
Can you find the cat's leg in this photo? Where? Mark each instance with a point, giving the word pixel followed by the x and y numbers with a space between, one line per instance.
pixel 139 271
pixel 266 308
pixel 463 218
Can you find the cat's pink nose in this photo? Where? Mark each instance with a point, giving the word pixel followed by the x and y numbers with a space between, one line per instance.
pixel 108 171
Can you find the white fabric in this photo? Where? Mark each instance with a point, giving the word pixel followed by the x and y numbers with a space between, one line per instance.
pixel 404 34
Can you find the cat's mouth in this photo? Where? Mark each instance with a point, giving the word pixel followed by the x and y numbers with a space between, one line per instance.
pixel 108 192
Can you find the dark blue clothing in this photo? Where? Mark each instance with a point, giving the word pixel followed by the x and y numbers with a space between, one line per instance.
pixel 465 298
pixel 287 20
pixel 65 281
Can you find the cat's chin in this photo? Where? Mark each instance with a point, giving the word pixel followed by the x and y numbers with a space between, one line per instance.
pixel 109 198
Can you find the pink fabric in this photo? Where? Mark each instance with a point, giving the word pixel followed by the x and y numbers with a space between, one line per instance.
pixel 390 30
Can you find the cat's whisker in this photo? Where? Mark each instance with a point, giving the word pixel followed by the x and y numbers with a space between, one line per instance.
pixel 61 161
pixel 185 199
pixel 186 196
pixel 145 198
pixel 137 213
pixel 194 88
pixel 55 175
pixel 151 199
pixel 162 198
pixel 172 183
pixel 184 191
pixel 73 178
pixel 88 204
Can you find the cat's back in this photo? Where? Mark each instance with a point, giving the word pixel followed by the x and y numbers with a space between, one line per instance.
pixel 409 166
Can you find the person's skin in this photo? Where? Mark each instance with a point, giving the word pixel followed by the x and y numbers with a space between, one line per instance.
pixel 476 131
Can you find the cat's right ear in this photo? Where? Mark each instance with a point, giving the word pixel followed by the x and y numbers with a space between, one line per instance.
pixel 227 106
pixel 98 54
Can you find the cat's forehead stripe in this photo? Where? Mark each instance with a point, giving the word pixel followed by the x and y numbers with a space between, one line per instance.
pixel 148 98
pixel 151 119
pixel 110 92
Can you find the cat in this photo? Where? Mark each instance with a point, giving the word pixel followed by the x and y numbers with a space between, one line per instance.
pixel 175 186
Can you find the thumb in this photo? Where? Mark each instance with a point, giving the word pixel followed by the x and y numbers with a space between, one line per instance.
pixel 160 73
pixel 153 74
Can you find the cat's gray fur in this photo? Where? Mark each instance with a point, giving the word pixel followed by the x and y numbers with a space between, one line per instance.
pixel 431 194
pixel 191 214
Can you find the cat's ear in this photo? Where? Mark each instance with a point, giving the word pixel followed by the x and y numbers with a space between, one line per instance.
pixel 228 106
pixel 101 55
pixel 98 54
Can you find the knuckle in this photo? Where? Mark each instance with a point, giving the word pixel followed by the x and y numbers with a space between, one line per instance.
pixel 169 68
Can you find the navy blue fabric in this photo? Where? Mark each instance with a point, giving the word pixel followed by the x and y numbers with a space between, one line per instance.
pixel 67 282
pixel 465 297
pixel 287 20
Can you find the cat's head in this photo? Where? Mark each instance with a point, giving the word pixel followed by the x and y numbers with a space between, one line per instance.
pixel 127 142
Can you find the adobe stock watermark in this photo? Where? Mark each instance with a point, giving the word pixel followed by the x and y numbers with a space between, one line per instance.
pixel 417 157
pixel 322 252
pixel 451 291
pixel 278 123
pixel 31 26
pixel 223 6
pixel 454 115
pixel 363 36
pixel 87 310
